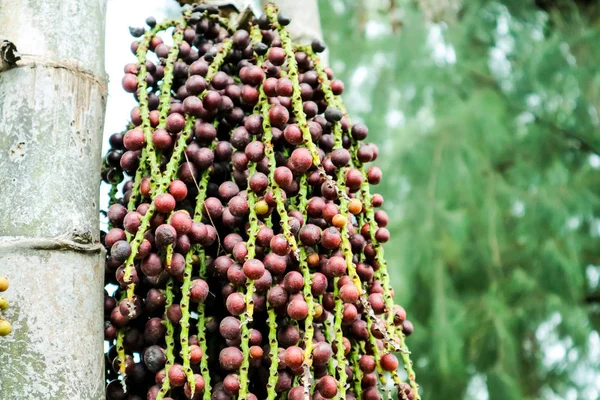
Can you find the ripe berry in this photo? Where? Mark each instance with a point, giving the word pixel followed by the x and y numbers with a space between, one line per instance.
pixel 300 161
pixel 235 304
pixel 331 238
pixel 279 245
pixel 241 39
pixel 151 265
pixel 354 179
pixel 317 46
pixel 165 235
pixel 131 222
pixel 399 315
pixel 407 328
pixel 254 269
pixel 199 291
pixel 256 352
pixel 359 131
pixel 293 282
pixel 177 375
pixel 279 115
pixel 255 151
pixel 377 302
pixel 120 251
pixel 134 139
pixel 322 353
pixel 277 296
pixel 231 384
pixel 337 87
pixel 349 293
pixel 293 135
pixel 284 87
pixel 129 83
pixel 389 362
pixel 333 114
pixel 264 282
pixel 374 175
pixel 175 123
pixel 294 356
pixel 164 203
pixel 310 235
pixel 276 56
pixel 230 328
pixel 340 157
pixel 238 206
pixel 283 176
pixel 174 313
pixel 297 309
pixel 161 139
pixel 196 84
pixel 327 387
pixel 181 221
pixel 231 358
pixel 195 354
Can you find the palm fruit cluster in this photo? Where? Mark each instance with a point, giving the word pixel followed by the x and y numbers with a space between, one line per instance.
pixel 5 326
pixel 244 241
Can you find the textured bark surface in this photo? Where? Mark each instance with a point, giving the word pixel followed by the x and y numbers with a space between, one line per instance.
pixel 51 119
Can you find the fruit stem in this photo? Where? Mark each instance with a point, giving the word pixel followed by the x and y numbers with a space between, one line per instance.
pixel 169 340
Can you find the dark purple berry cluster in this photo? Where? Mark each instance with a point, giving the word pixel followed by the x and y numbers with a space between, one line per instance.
pixel 245 243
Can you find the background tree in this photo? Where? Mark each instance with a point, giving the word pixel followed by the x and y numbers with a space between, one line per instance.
pixel 487 126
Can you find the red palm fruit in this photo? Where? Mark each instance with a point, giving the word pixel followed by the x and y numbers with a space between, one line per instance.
pixel 322 353
pixel 310 235
pixel 275 264
pixel 294 356
pixel 254 269
pixel 181 221
pixel 331 238
pixel 199 387
pixel 377 302
pixel 177 375
pixel 279 116
pixel 230 358
pixel 279 245
pixel 277 296
pixel 318 284
pixel 165 203
pixel 297 309
pixel 235 304
pixel 174 313
pixel 178 190
pixel 349 293
pixel 283 176
pixel 276 56
pixel 327 387
pixel 293 282
pixel 199 291
pixel 195 354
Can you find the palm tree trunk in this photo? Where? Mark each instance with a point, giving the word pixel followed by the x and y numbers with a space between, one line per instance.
pixel 51 118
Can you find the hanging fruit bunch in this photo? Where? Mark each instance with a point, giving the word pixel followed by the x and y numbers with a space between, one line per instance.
pixel 5 326
pixel 246 245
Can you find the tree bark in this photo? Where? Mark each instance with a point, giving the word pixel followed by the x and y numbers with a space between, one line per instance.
pixel 51 118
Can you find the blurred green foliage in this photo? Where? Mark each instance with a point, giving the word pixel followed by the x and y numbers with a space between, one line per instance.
pixel 489 139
